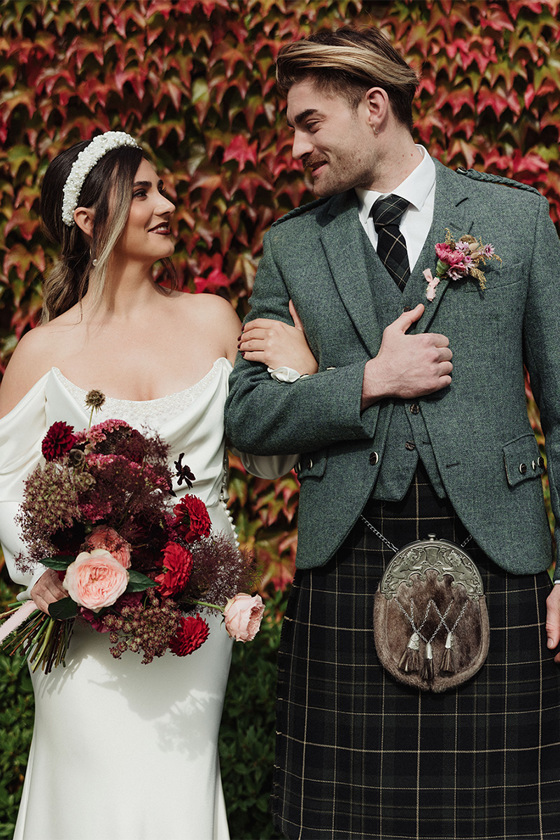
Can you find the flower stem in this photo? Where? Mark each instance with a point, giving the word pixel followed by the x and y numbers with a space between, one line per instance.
pixel 205 604
pixel 47 633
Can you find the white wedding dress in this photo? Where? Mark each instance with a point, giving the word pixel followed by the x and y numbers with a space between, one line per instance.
pixel 121 750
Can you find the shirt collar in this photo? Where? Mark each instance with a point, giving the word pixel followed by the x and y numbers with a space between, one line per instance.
pixel 415 188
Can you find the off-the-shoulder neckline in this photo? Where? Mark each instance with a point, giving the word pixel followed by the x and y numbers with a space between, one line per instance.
pixel 64 379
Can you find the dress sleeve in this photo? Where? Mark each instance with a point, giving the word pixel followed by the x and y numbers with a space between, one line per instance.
pixel 267 466
pixel 21 432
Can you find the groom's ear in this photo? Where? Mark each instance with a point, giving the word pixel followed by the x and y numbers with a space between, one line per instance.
pixel 377 106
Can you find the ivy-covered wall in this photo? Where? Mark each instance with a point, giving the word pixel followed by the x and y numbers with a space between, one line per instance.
pixel 194 81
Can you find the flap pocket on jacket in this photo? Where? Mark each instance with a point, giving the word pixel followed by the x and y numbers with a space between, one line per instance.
pixel 497 275
pixel 312 464
pixel 522 459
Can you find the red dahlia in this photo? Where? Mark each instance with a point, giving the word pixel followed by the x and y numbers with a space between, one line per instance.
pixel 177 567
pixel 59 440
pixel 193 632
pixel 191 518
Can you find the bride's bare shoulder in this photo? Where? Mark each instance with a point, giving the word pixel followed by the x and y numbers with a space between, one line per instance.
pixel 205 305
pixel 35 354
pixel 215 317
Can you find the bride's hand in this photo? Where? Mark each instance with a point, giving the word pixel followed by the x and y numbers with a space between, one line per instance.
pixel 47 590
pixel 277 344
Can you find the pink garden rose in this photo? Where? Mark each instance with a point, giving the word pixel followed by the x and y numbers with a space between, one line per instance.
pixel 243 615
pixel 107 538
pixel 95 579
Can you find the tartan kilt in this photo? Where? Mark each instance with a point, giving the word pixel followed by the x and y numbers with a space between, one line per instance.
pixel 360 755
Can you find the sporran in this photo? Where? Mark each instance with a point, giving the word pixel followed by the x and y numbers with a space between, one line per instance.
pixel 430 618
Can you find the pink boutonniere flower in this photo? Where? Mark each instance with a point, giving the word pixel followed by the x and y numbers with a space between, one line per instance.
pixel 459 259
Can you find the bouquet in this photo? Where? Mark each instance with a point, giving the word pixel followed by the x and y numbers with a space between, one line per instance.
pixel 136 566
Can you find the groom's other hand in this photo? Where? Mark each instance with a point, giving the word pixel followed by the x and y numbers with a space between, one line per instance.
pixel 553 620
pixel 407 366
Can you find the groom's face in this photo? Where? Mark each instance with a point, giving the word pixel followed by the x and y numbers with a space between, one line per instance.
pixel 332 138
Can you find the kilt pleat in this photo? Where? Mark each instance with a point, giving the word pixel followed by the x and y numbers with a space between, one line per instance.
pixel 360 755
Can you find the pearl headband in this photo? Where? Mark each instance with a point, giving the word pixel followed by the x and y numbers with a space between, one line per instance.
pixel 83 165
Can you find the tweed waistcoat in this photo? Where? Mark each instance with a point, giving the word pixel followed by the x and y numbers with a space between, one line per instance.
pixel 406 434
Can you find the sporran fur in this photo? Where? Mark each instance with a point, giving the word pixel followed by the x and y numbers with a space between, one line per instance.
pixel 430 618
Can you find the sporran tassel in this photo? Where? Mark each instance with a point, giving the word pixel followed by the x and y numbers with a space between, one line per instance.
pixel 428 667
pixel 410 660
pixel 447 666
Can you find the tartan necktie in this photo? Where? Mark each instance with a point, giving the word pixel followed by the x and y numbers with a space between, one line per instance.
pixel 391 246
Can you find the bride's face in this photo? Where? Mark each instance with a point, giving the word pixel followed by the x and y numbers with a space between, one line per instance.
pixel 147 234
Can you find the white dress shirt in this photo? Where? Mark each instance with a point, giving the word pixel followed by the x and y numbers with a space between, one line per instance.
pixel 419 190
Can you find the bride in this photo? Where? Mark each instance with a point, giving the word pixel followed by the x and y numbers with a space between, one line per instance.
pixel 121 750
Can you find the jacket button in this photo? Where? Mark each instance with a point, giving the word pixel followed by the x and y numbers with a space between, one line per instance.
pixel 540 461
pixel 414 408
pixel 522 468
pixel 410 445
pixel 533 465
pixel 373 458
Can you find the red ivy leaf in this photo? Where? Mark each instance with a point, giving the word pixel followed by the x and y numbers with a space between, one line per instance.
pixel 242 151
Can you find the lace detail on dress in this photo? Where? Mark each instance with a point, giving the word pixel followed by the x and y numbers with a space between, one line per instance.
pixel 138 412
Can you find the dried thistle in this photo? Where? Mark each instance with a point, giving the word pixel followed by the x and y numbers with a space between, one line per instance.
pixel 94 400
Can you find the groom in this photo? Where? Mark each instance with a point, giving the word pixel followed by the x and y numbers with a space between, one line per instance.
pixel 417 420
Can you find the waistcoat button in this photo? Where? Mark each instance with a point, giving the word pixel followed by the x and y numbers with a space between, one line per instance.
pixel 373 458
pixel 414 408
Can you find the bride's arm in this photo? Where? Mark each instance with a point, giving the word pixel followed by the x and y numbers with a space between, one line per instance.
pixel 291 344
pixel 277 344
pixel 22 403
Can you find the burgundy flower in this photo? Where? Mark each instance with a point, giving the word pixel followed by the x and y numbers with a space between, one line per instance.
pixel 193 632
pixel 183 471
pixel 177 566
pixel 191 518
pixel 95 511
pixel 59 440
pixel 94 619
pixel 134 448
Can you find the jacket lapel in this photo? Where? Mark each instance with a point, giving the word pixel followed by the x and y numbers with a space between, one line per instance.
pixel 450 211
pixel 357 273
pixel 344 242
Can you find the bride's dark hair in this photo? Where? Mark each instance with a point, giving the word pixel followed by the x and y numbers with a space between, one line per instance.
pixel 108 191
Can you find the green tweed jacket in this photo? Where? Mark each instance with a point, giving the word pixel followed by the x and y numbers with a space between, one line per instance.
pixel 484 447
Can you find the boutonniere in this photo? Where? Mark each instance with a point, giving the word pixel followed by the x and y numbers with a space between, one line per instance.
pixel 459 259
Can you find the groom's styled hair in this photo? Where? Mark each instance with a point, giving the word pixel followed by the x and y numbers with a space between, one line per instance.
pixel 349 62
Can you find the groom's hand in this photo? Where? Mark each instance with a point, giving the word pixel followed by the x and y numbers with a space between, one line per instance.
pixel 407 366
pixel 553 620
